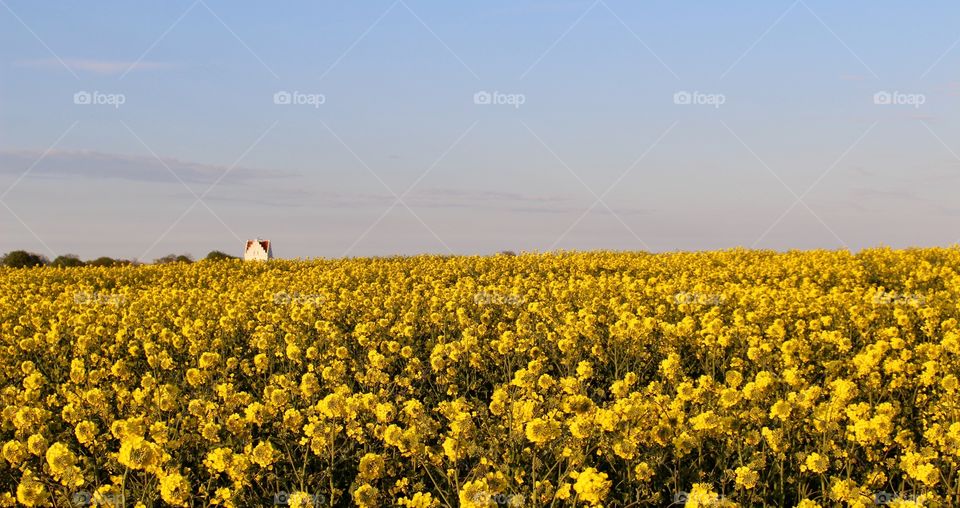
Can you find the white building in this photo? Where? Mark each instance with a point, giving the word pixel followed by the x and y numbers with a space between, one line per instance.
pixel 258 250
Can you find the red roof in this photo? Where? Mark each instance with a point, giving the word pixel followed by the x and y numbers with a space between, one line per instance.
pixel 264 244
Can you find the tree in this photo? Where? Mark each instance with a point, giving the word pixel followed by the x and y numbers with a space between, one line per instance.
pixel 106 261
pixel 67 260
pixel 216 255
pixel 23 259
pixel 173 258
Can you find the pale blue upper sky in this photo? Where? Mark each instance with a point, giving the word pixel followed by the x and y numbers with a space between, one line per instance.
pixel 784 146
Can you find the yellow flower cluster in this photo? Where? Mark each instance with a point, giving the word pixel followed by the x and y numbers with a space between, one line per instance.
pixel 734 378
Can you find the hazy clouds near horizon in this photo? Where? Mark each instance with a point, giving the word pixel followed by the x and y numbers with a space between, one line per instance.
pixel 408 126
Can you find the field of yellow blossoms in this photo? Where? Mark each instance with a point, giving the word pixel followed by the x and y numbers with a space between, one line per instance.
pixel 734 378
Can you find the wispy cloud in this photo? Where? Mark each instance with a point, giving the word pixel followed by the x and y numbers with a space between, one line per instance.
pixel 885 194
pixel 434 198
pixel 97 165
pixel 104 67
pixel 301 198
pixel 446 194
pixel 507 201
pixel 427 198
pixel 884 197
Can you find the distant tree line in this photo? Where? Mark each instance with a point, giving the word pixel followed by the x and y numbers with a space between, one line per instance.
pixel 24 259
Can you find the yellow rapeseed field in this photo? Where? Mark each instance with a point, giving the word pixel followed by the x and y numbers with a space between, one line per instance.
pixel 735 378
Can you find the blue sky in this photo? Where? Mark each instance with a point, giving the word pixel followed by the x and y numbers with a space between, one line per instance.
pixel 589 140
